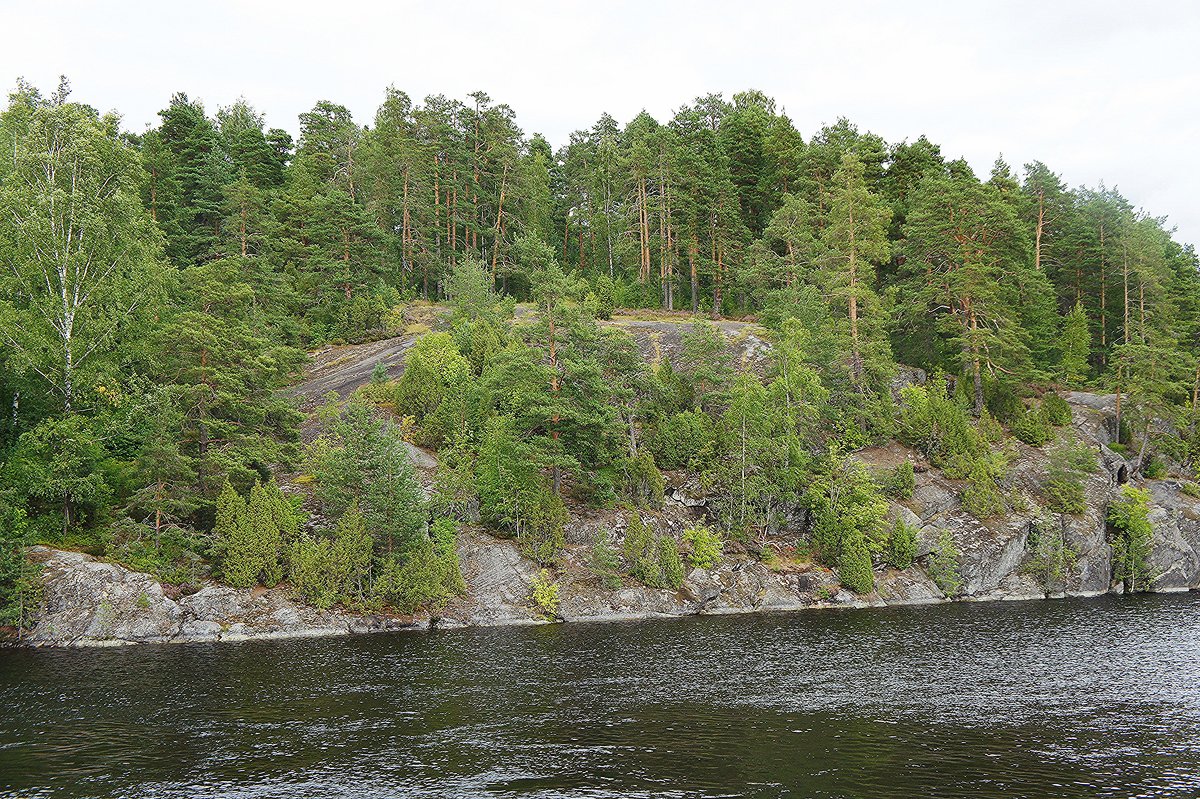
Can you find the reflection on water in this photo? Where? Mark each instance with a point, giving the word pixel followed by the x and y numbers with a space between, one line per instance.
pixel 1078 698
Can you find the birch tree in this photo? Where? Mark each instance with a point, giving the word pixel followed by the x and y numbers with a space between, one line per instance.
pixel 79 254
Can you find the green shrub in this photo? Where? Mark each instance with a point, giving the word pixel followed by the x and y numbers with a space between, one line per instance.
pixel 937 425
pixel 1050 558
pixel 544 593
pixel 171 555
pixel 844 501
pixel 1033 428
pixel 541 537
pixel 433 369
pixel 1057 410
pixel 704 546
pixel 324 571
pixel 639 543
pixel 900 481
pixel 1002 401
pixel 1154 469
pixel 982 497
pixel 1191 489
pixel 1120 449
pixel 653 559
pixel 902 545
pixel 854 564
pixel 1132 539
pixel 1070 462
pixel 605 563
pixel 685 440
pixel 428 576
pixel 642 483
pixel 20 580
pixel 943 566
pixel 310 571
pixel 606 292
pixel 249 535
pixel 670 565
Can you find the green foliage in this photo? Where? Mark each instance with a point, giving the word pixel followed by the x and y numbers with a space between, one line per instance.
pixel 1002 401
pixel 848 512
pixel 943 564
pixel 1070 462
pixel 640 551
pixel 544 593
pixel 902 545
pixel 1057 410
pixel 704 546
pixel 428 576
pixel 605 297
pixel 20 580
pixel 685 440
pixel 1155 468
pixel 327 570
pixel 249 536
pixel 170 554
pixel 705 362
pixel 900 482
pixel 57 468
pixel 361 458
pixel 670 565
pixel 854 562
pixel 541 536
pixel 1034 428
pixel 652 558
pixel 1132 539
pixel 982 497
pixel 1075 345
pixel 1050 559
pixel 937 425
pixel 1191 489
pixel 642 483
pixel 70 316
pixel 433 370
pixel 605 562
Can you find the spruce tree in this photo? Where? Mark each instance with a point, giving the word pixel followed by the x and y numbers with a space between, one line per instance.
pixel 1075 346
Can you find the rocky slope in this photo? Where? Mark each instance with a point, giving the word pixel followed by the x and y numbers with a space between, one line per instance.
pixel 87 602
pixel 93 603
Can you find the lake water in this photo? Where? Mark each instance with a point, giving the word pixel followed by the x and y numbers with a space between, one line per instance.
pixel 1073 698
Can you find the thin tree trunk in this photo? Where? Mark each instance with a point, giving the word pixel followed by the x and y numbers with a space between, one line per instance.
pixel 499 217
pixel 695 278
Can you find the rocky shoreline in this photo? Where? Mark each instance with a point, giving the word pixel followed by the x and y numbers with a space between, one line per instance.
pixel 87 602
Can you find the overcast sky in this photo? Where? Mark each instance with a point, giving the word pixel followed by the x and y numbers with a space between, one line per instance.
pixel 1097 90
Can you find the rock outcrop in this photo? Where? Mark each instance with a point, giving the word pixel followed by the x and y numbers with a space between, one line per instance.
pixel 87 602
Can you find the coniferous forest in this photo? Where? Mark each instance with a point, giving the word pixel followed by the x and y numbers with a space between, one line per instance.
pixel 160 291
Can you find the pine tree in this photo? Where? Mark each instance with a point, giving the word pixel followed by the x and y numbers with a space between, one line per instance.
pixel 965 249
pixel 854 240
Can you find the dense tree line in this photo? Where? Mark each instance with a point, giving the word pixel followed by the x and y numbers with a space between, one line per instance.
pixel 159 289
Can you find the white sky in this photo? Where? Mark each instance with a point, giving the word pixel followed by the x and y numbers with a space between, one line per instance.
pixel 1098 90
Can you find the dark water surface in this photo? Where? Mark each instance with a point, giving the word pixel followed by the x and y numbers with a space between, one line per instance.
pixel 1076 698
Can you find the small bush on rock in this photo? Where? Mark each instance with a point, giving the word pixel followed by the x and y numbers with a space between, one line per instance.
pixel 544 593
pixel 900 482
pixel 1057 410
pixel 704 546
pixel 902 545
pixel 1033 428
pixel 605 562
pixel 943 566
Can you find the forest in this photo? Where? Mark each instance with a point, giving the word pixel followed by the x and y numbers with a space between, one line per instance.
pixel 159 292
